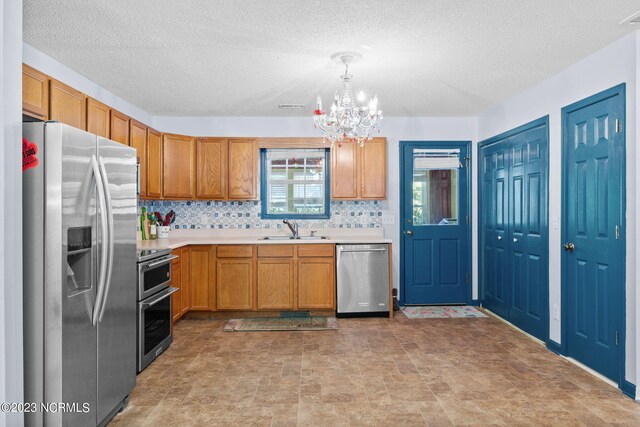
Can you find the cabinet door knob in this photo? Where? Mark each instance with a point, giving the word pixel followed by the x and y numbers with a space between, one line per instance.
pixel 499 237
pixel 515 239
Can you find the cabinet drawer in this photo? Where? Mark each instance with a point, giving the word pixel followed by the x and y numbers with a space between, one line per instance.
pixel 235 251
pixel 313 250
pixel 275 251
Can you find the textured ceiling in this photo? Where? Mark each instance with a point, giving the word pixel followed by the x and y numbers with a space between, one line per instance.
pixel 243 57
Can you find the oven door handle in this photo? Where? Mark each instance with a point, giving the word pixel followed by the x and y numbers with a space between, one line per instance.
pixel 159 263
pixel 159 297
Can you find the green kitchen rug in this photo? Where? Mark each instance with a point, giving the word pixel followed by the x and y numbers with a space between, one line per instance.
pixel 253 324
pixel 441 311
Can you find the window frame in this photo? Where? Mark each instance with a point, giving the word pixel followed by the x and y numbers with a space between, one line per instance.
pixel 264 193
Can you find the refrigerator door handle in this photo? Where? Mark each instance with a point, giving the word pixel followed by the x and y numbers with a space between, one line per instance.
pixel 107 194
pixel 105 248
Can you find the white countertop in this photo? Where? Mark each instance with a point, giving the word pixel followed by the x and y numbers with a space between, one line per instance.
pixel 179 238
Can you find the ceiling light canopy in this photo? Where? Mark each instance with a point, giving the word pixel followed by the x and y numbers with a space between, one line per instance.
pixel 349 118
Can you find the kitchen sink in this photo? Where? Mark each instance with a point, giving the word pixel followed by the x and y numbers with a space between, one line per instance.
pixel 294 238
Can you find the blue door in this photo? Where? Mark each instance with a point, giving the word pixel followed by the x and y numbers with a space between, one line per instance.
pixel 513 197
pixel 593 261
pixel 434 222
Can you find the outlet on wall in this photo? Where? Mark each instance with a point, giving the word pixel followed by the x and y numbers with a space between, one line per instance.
pixel 388 218
pixel 556 312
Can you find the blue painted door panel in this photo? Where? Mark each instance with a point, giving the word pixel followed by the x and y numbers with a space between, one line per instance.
pixel 434 253
pixel 593 272
pixel 494 229
pixel 514 262
pixel 528 231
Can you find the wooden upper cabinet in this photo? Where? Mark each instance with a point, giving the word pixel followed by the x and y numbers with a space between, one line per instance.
pixel 98 118
pixel 154 164
pixel 138 140
pixel 67 105
pixel 359 173
pixel 178 167
pixel 373 169
pixel 243 169
pixel 344 172
pixel 211 169
pixel 119 126
pixel 35 93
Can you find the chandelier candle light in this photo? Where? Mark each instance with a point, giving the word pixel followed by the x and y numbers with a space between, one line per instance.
pixel 349 119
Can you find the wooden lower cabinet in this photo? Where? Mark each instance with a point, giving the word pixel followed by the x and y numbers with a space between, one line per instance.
pixel 235 282
pixel 316 283
pixel 176 282
pixel 254 277
pixel 185 280
pixel 202 277
pixel 276 284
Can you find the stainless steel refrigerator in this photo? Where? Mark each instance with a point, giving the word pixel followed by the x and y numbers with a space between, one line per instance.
pixel 79 216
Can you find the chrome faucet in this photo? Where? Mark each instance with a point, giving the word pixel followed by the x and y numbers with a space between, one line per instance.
pixel 293 226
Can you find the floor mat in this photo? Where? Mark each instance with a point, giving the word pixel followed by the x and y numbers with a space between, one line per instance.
pixel 317 323
pixel 441 312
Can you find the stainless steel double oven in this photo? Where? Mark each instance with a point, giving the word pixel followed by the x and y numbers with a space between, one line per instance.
pixel 154 304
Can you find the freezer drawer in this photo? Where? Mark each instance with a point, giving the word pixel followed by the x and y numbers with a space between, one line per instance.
pixel 362 278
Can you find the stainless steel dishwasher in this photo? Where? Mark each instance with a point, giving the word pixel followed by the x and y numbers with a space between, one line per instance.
pixel 362 279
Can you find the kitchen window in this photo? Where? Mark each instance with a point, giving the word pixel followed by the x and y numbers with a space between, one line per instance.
pixel 295 183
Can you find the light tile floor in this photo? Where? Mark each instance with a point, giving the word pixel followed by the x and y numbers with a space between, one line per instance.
pixel 370 372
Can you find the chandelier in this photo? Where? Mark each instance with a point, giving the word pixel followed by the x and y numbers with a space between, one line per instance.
pixel 349 118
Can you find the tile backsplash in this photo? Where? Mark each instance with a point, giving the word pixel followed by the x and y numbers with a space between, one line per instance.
pixel 225 215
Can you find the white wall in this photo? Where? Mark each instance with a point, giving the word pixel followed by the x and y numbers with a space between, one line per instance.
pixel 608 67
pixel 394 128
pixel 11 378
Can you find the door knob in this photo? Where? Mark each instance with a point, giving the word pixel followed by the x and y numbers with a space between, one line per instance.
pixel 499 237
pixel 409 233
pixel 569 246
pixel 515 239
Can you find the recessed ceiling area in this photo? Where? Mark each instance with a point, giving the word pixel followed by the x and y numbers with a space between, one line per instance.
pixel 245 57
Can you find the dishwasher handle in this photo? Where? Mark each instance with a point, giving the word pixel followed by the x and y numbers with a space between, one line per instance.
pixel 363 250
